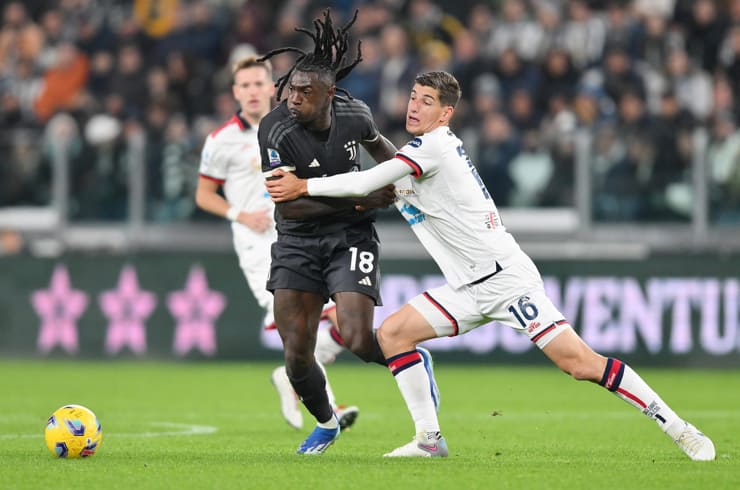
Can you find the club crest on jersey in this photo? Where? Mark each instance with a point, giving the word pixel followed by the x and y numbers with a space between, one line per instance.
pixel 351 147
pixel 415 143
pixel 273 156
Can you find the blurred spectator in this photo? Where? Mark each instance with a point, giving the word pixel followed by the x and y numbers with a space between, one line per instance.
pixel 723 156
pixel 497 147
pixel 398 70
pixel 515 74
pixel 176 170
pixel 548 32
pixel 691 84
pixel 101 174
pixel 624 31
pixel 704 30
pixel 559 79
pixel 658 40
pixel 584 34
pixel 24 177
pixel 530 171
pixel 620 75
pixel 156 17
pixel 427 22
pixel 64 82
pixel 364 81
pixel 672 137
pixel 129 79
pixel 511 31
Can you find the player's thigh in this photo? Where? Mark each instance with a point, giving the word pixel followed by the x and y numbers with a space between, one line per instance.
pixel 297 315
pixel 448 311
pixel 353 265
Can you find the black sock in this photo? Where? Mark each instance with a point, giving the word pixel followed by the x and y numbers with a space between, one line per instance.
pixel 311 389
pixel 377 355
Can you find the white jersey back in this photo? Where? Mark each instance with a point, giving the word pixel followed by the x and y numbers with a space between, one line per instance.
pixel 451 211
pixel 231 157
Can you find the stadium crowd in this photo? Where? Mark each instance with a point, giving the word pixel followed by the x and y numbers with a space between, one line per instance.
pixel 110 80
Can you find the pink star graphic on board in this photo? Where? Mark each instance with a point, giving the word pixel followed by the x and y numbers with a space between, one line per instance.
pixel 196 308
pixel 127 307
pixel 59 307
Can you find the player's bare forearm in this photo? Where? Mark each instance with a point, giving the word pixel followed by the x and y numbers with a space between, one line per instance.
pixel 285 186
pixel 381 149
pixel 381 198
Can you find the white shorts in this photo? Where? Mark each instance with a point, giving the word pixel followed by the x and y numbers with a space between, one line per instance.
pixel 515 296
pixel 253 251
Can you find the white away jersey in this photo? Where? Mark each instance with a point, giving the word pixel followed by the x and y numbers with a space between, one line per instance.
pixel 451 211
pixel 231 157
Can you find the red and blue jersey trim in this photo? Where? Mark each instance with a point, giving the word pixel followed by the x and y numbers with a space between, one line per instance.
pixel 418 171
pixel 214 179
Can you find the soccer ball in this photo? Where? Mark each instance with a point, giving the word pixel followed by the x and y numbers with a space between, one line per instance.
pixel 73 431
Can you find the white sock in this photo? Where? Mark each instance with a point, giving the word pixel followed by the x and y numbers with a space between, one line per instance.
pixel 624 382
pixel 413 382
pixel 332 423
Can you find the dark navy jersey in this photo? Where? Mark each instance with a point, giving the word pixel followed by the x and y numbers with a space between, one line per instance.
pixel 285 144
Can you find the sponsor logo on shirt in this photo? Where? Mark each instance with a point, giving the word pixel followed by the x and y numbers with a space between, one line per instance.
pixel 314 163
pixel 412 214
pixel 274 157
pixel 415 143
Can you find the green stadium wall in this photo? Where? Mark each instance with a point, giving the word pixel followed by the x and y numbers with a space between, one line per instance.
pixel 667 310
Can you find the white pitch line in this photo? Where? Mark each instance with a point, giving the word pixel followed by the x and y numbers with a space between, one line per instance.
pixel 184 430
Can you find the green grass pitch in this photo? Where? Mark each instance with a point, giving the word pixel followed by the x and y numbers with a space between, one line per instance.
pixel 204 425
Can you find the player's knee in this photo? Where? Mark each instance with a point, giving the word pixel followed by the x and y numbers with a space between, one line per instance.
pixel 297 363
pixel 389 334
pixel 363 347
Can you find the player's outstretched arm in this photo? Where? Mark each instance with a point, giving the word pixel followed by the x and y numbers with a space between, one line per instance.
pixel 351 184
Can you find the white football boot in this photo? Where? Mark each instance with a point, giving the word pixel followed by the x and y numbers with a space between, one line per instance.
pixel 696 445
pixel 423 445
pixel 289 404
pixel 346 415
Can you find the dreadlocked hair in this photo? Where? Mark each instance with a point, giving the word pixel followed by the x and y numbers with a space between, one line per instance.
pixel 327 57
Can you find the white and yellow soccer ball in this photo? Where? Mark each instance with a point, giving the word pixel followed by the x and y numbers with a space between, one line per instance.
pixel 73 431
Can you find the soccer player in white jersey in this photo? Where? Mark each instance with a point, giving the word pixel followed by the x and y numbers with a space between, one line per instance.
pixel 488 276
pixel 231 158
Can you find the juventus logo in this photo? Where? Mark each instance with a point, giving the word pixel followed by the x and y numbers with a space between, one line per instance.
pixel 351 147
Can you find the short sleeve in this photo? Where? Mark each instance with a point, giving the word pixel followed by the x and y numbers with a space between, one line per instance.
pixel 421 155
pixel 271 154
pixel 212 164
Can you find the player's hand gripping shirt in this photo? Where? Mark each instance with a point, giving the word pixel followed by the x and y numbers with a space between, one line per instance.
pixel 230 156
pixel 287 145
pixel 451 211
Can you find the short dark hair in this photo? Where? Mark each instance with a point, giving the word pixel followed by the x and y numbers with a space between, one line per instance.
pixel 327 57
pixel 446 84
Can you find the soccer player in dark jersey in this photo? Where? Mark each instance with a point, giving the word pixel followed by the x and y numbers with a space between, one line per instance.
pixel 326 247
